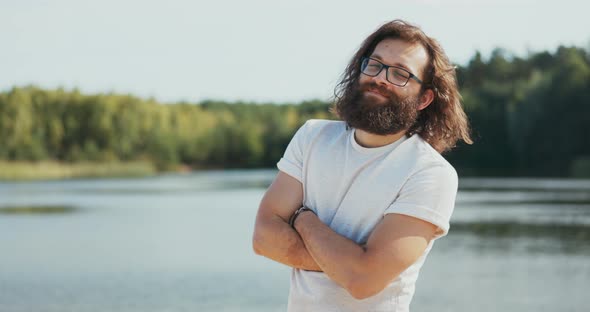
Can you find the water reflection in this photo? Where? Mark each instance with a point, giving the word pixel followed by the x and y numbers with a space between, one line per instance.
pixel 188 183
pixel 28 210
pixel 567 232
pixel 523 184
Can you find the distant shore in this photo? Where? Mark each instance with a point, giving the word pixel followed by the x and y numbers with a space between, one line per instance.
pixel 50 170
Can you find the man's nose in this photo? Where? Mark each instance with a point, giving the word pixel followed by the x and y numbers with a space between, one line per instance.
pixel 381 78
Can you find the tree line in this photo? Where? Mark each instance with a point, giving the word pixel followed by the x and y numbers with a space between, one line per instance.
pixel 530 116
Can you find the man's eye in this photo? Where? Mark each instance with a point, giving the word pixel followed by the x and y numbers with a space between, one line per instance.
pixel 400 73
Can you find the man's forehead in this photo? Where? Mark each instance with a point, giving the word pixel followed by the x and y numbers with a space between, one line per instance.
pixel 411 56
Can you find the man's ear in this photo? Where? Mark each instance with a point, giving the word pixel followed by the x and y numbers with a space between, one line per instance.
pixel 426 98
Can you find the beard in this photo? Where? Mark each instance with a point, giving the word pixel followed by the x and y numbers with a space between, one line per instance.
pixel 366 113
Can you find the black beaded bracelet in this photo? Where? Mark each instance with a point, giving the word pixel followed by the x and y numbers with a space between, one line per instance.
pixel 296 214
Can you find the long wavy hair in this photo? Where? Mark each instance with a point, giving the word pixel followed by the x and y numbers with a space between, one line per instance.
pixel 443 122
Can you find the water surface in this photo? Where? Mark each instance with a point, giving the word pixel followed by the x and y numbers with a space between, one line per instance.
pixel 183 243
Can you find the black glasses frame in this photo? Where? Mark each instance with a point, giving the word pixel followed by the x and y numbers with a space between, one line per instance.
pixel 365 62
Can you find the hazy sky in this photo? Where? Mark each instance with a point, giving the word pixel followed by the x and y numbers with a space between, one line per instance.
pixel 267 50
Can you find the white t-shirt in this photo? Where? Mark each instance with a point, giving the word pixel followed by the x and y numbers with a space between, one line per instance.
pixel 351 188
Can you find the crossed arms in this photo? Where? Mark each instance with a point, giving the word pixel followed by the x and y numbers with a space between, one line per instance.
pixel 395 243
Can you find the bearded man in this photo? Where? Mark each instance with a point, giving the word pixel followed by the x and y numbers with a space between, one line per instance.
pixel 357 204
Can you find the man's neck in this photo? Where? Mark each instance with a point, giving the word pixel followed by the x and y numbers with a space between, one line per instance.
pixel 370 140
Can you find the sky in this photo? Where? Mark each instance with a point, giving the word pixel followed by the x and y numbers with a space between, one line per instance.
pixel 256 50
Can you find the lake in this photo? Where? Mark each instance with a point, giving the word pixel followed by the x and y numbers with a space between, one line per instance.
pixel 182 242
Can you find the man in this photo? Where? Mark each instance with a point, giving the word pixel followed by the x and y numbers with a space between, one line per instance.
pixel 373 189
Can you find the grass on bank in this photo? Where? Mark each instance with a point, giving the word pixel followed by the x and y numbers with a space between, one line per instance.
pixel 22 171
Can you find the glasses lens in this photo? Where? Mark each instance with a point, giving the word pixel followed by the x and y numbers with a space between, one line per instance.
pixel 370 67
pixel 398 76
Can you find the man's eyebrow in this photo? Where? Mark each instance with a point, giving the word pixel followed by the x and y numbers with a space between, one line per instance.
pixel 377 56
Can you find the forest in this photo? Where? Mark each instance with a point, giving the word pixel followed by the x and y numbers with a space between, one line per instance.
pixel 530 116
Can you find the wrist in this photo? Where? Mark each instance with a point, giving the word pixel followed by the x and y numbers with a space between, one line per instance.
pixel 299 221
pixel 296 215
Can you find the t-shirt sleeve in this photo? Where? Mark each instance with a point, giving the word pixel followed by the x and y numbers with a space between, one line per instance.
pixel 429 195
pixel 292 161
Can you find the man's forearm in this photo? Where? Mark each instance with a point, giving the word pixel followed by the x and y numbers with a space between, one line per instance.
pixel 365 270
pixel 339 257
pixel 275 239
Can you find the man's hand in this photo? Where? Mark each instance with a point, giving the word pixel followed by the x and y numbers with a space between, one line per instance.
pixel 273 236
pixel 364 270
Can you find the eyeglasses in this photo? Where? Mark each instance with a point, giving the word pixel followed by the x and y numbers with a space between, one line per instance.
pixel 396 75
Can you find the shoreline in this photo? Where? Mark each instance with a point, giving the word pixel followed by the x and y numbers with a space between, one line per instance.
pixel 23 171
pixel 14 171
